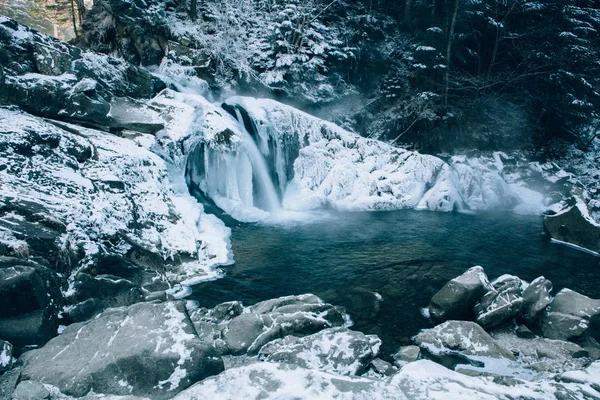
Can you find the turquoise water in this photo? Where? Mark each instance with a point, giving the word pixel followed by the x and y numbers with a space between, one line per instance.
pixel 404 256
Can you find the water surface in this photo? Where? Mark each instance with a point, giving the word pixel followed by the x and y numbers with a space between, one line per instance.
pixel 405 256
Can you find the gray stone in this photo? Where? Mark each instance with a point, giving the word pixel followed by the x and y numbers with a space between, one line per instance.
pixel 456 299
pixel 226 311
pixel 568 316
pixel 243 330
pixel 142 350
pixel 406 354
pixel 500 304
pixel 537 298
pixel 30 390
pixel 463 337
pixel 335 350
pixel 382 367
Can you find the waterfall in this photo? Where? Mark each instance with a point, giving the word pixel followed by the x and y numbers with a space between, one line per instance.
pixel 236 179
pixel 260 172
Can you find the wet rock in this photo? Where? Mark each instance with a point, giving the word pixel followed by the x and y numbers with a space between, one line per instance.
pixel 30 390
pixel 500 304
pixel 574 225
pixel 144 350
pixel 6 356
pixel 568 316
pixel 406 354
pixel 537 298
pixel 335 350
pixel 458 297
pixel 464 338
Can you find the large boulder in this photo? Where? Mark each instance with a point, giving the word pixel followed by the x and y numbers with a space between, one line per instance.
pixel 464 339
pixel 568 316
pixel 31 300
pixel 456 299
pixel 335 350
pixel 574 225
pixel 500 304
pixel 537 297
pixel 145 349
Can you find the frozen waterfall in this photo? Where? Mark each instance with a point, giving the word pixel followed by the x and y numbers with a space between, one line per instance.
pixel 235 176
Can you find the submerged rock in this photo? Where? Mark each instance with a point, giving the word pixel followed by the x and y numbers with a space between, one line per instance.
pixel 335 350
pixel 145 349
pixel 458 297
pixel 568 316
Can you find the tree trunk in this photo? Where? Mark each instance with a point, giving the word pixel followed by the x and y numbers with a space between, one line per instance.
pixel 74 18
pixel 193 10
pixel 449 52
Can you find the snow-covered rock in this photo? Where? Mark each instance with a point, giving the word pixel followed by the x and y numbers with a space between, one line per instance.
pixel 6 356
pixel 336 350
pixel 502 303
pixel 462 338
pixel 100 193
pixel 146 349
pixel 575 225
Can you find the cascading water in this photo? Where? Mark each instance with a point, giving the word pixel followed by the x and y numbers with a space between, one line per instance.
pixel 260 171
pixel 235 176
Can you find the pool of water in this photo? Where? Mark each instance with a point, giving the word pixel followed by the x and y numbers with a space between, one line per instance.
pixel 405 256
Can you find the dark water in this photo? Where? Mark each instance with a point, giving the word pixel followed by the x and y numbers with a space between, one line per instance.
pixel 406 256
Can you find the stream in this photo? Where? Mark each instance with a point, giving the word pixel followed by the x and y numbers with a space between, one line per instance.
pixel 404 256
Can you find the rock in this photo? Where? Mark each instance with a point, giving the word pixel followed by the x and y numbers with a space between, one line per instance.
pixel 116 290
pixel 243 331
pixel 335 350
pixel 283 381
pixel 85 310
pixel 406 354
pixel 31 301
pixel 524 332
pixel 574 225
pixel 456 299
pixel 6 356
pixel 500 304
pixel 30 390
pixel 537 298
pixel 134 115
pixel 382 367
pixel 226 311
pixel 568 316
pixel 143 350
pixel 464 338
pixel 8 382
pixel 52 60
